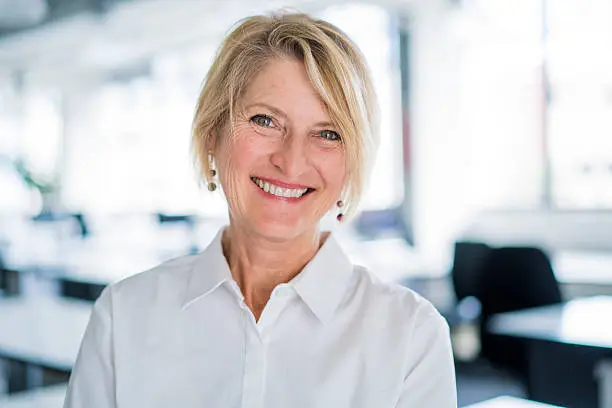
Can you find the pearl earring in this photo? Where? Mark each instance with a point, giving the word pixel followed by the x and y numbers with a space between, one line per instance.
pixel 340 216
pixel 212 186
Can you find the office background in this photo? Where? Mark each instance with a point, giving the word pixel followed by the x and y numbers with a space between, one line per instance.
pixel 496 129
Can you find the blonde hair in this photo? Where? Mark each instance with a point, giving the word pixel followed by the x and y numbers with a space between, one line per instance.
pixel 335 66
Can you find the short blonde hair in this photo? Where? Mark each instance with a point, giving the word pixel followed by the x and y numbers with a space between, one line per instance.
pixel 335 66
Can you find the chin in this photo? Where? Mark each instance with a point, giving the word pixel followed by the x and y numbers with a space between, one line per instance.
pixel 283 229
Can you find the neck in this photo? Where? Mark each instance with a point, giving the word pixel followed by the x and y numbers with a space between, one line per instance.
pixel 259 264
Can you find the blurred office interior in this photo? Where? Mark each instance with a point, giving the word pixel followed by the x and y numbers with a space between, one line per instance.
pixel 491 195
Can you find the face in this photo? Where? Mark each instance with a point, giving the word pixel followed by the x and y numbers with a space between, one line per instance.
pixel 283 167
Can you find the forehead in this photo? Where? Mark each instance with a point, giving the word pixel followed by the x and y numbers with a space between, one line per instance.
pixel 284 84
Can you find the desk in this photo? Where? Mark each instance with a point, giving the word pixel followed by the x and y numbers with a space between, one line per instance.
pixel 510 402
pixel 84 267
pixel 583 322
pixel 566 343
pixel 38 334
pixel 85 279
pixel 83 270
pixel 45 397
pixel 43 331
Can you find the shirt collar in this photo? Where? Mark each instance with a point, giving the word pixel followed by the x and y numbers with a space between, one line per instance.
pixel 209 271
pixel 322 283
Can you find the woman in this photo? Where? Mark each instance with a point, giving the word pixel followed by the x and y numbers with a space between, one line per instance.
pixel 272 313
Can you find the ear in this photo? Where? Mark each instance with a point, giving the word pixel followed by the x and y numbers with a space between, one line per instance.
pixel 217 135
pixel 213 142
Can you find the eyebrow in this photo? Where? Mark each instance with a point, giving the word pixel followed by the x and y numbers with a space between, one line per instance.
pixel 279 112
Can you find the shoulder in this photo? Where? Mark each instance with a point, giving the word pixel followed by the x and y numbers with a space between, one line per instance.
pixel 172 272
pixel 164 282
pixel 416 338
pixel 395 303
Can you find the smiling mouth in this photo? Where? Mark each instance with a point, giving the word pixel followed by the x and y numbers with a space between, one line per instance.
pixel 281 191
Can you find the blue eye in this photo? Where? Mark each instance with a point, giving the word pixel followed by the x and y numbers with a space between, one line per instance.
pixel 262 120
pixel 330 135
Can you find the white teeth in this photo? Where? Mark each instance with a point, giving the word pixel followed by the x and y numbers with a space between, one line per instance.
pixel 279 191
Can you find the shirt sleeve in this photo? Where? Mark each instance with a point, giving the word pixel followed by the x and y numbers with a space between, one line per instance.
pixel 430 378
pixel 92 382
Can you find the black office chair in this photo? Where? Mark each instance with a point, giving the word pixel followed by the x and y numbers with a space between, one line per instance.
pixel 163 218
pixel 9 280
pixel 468 264
pixel 514 278
pixel 2 276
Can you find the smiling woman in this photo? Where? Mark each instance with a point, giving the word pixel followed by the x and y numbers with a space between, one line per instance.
pixel 272 313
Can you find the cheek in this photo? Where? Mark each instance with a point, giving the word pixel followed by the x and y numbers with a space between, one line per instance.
pixel 236 156
pixel 247 146
pixel 333 169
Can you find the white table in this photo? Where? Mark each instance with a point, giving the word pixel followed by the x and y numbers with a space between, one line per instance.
pixel 510 402
pixel 583 322
pixel 566 343
pixel 43 331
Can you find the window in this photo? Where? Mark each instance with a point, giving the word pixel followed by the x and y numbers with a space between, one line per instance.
pixel 31 126
pixel 131 149
pixel 41 133
pixel 580 109
pixel 537 101
pixel 501 103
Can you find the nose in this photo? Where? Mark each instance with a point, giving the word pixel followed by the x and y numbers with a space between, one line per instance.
pixel 291 156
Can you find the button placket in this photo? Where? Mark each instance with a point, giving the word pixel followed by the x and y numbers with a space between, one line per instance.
pixel 276 304
pixel 254 365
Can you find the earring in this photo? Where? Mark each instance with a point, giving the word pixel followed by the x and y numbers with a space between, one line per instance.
pixel 212 186
pixel 340 216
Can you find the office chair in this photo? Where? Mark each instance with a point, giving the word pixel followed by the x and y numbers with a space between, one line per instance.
pixel 175 218
pixel 2 278
pixel 514 278
pixel 468 263
pixel 9 281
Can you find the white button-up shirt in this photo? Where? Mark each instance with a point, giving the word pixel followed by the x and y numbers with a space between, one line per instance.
pixel 181 336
